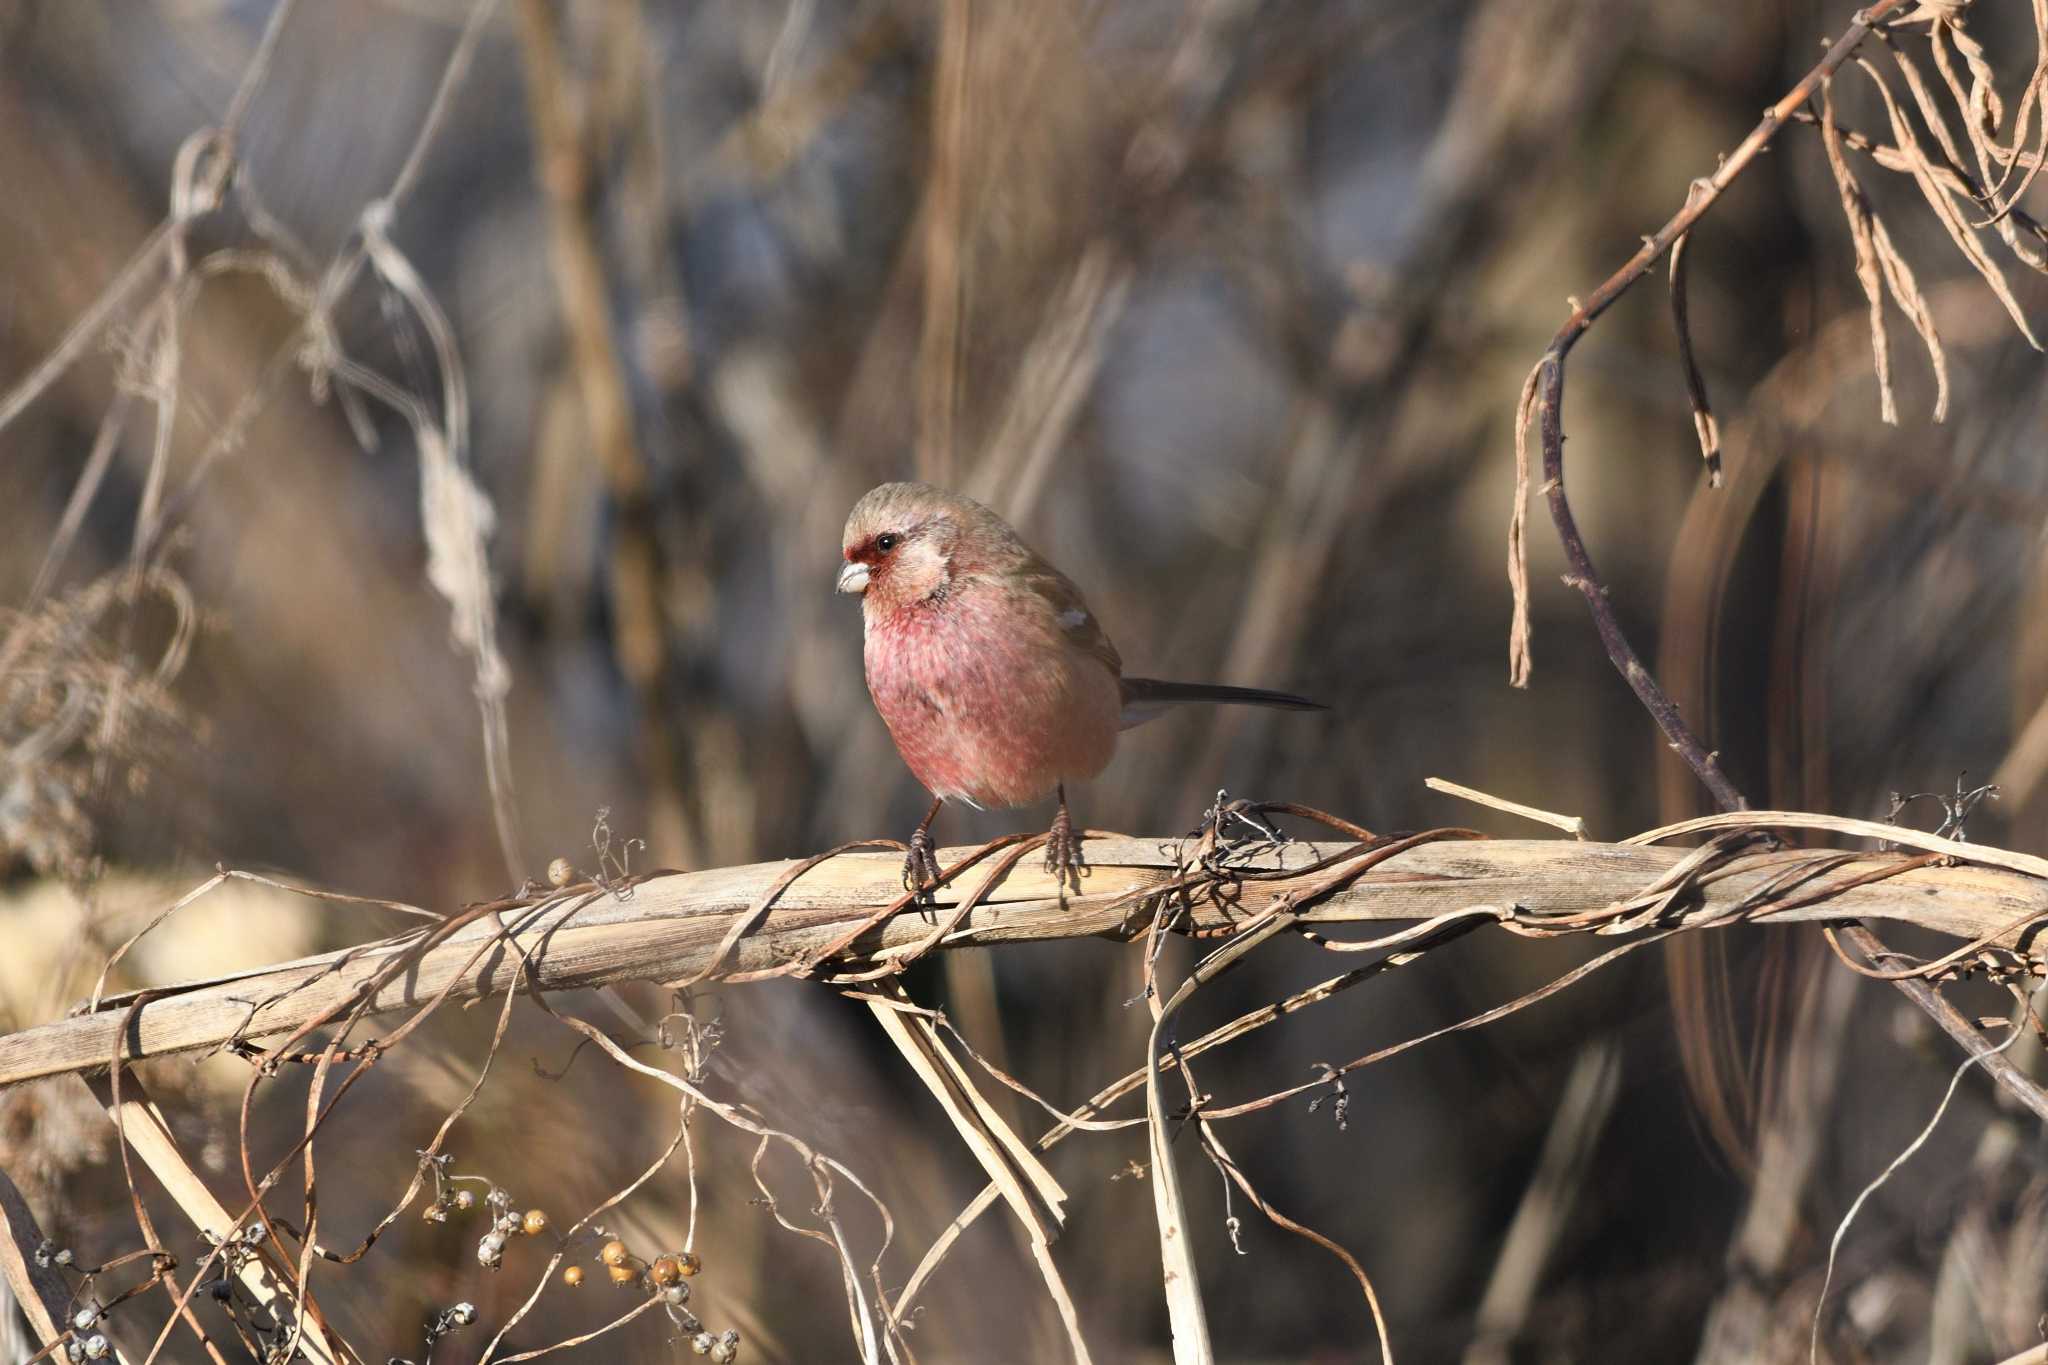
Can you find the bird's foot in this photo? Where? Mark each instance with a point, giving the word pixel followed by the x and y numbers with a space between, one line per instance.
pixel 1063 852
pixel 920 864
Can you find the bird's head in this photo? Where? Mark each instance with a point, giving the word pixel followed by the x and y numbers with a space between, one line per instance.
pixel 905 541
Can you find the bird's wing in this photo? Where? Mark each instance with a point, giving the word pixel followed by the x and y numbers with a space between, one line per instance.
pixel 1071 620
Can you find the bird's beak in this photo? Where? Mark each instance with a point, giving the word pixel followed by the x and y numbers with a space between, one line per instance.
pixel 853 578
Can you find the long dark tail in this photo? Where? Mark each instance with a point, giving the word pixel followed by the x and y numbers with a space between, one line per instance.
pixel 1145 698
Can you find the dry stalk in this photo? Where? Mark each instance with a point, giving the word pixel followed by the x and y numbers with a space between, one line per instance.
pixel 673 926
pixel 839 917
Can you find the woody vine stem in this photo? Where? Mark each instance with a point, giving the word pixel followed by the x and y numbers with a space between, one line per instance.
pixel 1543 400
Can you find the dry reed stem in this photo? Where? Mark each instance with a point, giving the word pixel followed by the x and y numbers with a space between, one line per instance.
pixel 143 1127
pixel 1026 1185
pixel 671 925
pixel 948 228
pixel 790 913
pixel 1573 825
pixel 45 1298
pixel 1561 1168
pixel 564 157
pixel 1182 1281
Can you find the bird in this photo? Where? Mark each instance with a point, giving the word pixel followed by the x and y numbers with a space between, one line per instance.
pixel 993 677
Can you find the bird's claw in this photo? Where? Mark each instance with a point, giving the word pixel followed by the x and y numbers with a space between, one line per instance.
pixel 1063 857
pixel 920 864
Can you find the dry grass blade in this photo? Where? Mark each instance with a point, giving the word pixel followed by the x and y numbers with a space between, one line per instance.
pixel 1906 290
pixel 925 1026
pixel 1176 1248
pixel 1182 1282
pixel 1571 824
pixel 1856 209
pixel 1944 207
pixel 1057 373
pixel 1705 426
pixel 1567 1156
pixel 1983 112
pixel 977 1125
pixel 2024 766
pixel 38 1287
pixel 1520 660
pixel 143 1127
pixel 947 226
pixel 89 326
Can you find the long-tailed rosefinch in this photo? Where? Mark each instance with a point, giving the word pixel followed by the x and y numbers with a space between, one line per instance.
pixel 991 673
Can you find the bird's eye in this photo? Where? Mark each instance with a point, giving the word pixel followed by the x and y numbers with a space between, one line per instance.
pixel 886 542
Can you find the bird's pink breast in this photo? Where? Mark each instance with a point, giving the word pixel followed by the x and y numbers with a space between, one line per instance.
pixel 985 702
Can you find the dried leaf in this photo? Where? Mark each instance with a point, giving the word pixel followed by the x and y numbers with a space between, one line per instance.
pixel 1856 209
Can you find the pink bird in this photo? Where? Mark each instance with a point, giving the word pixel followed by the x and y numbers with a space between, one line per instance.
pixel 991 673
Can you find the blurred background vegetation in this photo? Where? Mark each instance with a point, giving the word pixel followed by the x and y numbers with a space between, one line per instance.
pixel 1225 303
